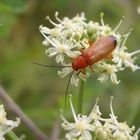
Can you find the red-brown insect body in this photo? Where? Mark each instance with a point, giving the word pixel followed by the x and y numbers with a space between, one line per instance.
pixel 96 52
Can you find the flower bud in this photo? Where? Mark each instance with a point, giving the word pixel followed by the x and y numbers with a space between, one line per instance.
pixel 102 134
pixel 92 28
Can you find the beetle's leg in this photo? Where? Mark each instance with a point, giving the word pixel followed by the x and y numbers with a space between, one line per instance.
pixel 78 72
pixel 81 50
pixel 90 43
pixel 82 71
pixel 91 68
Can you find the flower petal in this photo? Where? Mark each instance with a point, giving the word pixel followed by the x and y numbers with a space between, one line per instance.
pixel 113 78
pixel 51 52
pixel 59 58
pixel 64 72
pixel 103 77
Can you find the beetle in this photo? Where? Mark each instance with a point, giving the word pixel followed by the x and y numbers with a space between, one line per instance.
pixel 99 50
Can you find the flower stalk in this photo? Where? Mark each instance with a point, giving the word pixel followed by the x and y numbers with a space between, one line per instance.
pixel 81 96
pixel 12 135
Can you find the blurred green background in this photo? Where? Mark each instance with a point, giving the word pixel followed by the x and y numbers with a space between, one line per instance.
pixel 38 90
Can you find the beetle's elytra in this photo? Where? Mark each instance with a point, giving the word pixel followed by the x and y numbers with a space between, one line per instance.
pixel 99 50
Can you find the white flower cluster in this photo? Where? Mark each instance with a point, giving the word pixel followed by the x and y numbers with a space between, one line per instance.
pixel 66 40
pixel 94 127
pixel 5 124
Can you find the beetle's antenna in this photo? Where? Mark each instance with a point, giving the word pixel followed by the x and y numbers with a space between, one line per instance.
pixel 66 93
pixel 57 66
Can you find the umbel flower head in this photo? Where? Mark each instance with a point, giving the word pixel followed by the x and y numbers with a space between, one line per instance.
pixel 5 124
pixel 94 127
pixel 70 37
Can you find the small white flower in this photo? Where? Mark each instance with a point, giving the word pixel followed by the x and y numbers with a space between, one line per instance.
pixel 105 30
pixel 120 129
pixel 75 24
pixel 61 47
pixel 111 129
pixel 103 133
pixel 109 71
pixel 123 58
pixel 70 27
pixel 64 72
pixel 5 124
pixel 80 128
pixel 54 32
pixel 75 80
pixel 92 28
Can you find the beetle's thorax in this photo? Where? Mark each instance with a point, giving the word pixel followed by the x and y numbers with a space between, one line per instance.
pixel 79 62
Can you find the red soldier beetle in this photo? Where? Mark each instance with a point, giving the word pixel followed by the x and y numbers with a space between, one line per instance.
pixel 97 51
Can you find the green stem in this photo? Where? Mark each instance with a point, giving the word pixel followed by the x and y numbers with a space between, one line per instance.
pixel 12 135
pixel 81 97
